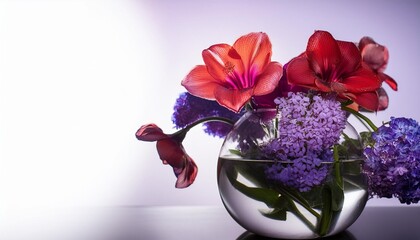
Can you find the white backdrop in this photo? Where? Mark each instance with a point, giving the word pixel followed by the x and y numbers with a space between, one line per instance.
pixel 77 79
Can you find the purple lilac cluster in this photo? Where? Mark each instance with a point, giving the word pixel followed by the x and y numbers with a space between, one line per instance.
pixel 314 121
pixel 393 162
pixel 304 173
pixel 308 128
pixel 189 108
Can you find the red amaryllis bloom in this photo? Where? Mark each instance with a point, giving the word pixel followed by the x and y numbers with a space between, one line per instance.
pixel 233 74
pixel 171 152
pixel 376 57
pixel 329 65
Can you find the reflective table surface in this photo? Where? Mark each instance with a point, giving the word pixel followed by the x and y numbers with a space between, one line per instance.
pixel 184 223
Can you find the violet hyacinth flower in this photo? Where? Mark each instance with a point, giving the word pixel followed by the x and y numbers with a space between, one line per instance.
pixel 189 108
pixel 393 162
pixel 308 128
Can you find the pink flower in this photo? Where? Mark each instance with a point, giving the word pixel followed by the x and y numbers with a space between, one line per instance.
pixel 171 152
pixel 233 74
pixel 376 57
pixel 329 65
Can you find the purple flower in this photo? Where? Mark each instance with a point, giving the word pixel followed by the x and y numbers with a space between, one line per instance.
pixel 307 123
pixel 308 128
pixel 303 173
pixel 189 109
pixel 393 162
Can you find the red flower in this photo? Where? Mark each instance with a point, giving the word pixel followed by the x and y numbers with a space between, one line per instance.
pixel 233 74
pixel 171 152
pixel 329 65
pixel 376 57
pixel 282 90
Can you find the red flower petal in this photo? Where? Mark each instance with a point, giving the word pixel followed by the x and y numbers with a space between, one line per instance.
pixel 350 57
pixel 362 80
pixel 389 80
pixel 269 79
pixel 367 100
pixel 255 50
pixel 233 99
pixel 375 55
pixel 221 61
pixel 299 73
pixel 383 99
pixel 187 174
pixel 200 83
pixel 323 52
pixel 150 132
pixel 365 41
pixel 171 152
pixel 323 86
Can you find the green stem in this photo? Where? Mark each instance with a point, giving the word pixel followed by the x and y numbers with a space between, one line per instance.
pixel 364 123
pixel 337 169
pixel 276 127
pixel 299 200
pixel 361 116
pixel 327 212
pixel 298 214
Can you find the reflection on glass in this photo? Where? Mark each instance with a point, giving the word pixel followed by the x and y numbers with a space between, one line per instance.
pixel 346 235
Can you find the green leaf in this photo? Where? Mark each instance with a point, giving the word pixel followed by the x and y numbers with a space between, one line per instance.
pixel 336 186
pixel 367 139
pixel 327 211
pixel 235 152
pixel 281 202
pixel 277 214
pixel 298 198
pixel 349 148
pixel 252 172
pixel 337 196
pixel 268 196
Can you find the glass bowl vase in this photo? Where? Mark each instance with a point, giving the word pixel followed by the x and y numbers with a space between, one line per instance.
pixel 303 197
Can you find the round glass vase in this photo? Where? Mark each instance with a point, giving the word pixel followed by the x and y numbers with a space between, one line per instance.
pixel 288 198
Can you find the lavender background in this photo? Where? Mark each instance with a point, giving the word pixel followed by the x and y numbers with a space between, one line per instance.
pixel 77 79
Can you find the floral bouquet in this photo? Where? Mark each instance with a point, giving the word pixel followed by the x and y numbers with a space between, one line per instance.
pixel 289 150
